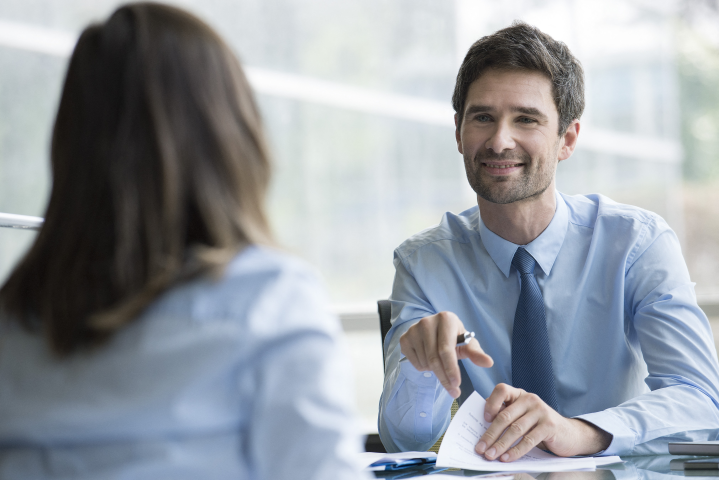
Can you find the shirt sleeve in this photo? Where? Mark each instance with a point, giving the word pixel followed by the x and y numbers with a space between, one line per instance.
pixel 678 348
pixel 414 407
pixel 302 424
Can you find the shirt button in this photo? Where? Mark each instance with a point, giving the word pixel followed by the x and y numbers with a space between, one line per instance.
pixel 427 374
pixel 422 414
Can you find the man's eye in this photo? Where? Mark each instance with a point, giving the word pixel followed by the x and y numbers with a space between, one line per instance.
pixel 483 118
pixel 526 120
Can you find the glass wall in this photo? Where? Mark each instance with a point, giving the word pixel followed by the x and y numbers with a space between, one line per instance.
pixel 355 97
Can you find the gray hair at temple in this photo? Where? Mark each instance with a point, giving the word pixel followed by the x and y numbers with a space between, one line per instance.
pixel 524 47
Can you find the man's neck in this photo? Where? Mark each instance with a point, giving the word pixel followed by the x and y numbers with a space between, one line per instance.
pixel 519 222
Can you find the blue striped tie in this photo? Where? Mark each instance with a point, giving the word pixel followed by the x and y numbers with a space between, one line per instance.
pixel 531 357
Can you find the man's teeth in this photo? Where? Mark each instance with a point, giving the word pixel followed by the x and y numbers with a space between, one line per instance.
pixel 504 166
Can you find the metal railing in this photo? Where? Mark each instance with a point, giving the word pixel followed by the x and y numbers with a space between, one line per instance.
pixel 26 222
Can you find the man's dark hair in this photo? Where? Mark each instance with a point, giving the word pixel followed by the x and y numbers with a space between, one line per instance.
pixel 524 47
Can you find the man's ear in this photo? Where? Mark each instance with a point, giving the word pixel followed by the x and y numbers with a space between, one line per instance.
pixel 568 141
pixel 457 135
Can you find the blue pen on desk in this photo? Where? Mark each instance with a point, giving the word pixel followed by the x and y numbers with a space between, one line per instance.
pixel 413 462
pixel 464 338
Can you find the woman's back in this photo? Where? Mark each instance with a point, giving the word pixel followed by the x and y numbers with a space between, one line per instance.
pixel 240 377
pixel 146 333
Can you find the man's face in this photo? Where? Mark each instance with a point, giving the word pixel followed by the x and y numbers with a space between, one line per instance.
pixel 508 135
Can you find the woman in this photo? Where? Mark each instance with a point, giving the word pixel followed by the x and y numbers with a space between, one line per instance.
pixel 152 331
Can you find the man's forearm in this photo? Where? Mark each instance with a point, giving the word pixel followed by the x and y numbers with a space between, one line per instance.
pixel 639 425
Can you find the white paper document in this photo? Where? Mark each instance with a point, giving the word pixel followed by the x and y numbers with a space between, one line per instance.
pixel 468 425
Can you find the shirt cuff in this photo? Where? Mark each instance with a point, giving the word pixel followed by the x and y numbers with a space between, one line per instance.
pixel 426 386
pixel 623 438
pixel 421 379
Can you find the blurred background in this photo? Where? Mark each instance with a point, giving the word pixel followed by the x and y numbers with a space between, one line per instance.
pixel 356 101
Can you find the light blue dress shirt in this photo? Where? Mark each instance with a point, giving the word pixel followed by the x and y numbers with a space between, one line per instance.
pixel 241 377
pixel 632 352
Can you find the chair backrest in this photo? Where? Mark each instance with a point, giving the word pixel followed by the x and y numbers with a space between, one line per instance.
pixel 384 308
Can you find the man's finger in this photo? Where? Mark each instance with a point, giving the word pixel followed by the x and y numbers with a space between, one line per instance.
pixel 419 347
pixel 432 349
pixel 530 440
pixel 413 350
pixel 453 390
pixel 513 433
pixel 438 367
pixel 407 348
pixel 473 351
pixel 447 352
pixel 428 339
pixel 502 395
pixel 411 355
pixel 491 443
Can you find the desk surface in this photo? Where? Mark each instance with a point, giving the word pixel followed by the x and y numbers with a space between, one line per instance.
pixel 655 467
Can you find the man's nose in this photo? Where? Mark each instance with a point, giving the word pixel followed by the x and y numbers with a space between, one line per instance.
pixel 501 139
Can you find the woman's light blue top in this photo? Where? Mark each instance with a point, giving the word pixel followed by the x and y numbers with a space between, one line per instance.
pixel 242 377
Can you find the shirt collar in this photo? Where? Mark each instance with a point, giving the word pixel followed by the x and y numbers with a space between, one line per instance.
pixel 544 248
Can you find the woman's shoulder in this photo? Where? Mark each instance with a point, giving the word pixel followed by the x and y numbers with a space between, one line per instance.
pixel 260 284
pixel 272 271
pixel 266 263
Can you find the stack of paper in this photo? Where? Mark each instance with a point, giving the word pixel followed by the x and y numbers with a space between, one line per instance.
pixel 468 425
pixel 395 461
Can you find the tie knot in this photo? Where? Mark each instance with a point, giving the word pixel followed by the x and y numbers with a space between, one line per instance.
pixel 523 261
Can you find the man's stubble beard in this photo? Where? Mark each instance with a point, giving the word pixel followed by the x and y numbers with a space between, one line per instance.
pixel 530 183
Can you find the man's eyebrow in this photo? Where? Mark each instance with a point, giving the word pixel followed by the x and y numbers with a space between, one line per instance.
pixel 530 111
pixel 472 109
pixel 476 109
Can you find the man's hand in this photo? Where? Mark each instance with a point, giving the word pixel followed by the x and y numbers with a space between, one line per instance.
pixel 431 344
pixel 515 413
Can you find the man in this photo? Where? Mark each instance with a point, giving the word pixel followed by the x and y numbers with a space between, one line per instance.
pixel 591 337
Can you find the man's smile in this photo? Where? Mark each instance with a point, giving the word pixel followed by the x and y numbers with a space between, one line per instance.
pixel 501 168
pixel 491 165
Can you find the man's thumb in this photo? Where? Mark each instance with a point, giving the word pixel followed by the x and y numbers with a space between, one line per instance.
pixel 475 354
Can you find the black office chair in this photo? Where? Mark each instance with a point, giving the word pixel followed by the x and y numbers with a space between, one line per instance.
pixel 384 308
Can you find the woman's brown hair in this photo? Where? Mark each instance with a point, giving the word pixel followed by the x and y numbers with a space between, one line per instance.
pixel 159 172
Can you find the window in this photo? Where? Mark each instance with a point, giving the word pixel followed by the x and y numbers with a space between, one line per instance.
pixel 356 102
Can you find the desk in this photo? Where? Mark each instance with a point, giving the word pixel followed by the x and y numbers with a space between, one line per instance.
pixel 655 467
